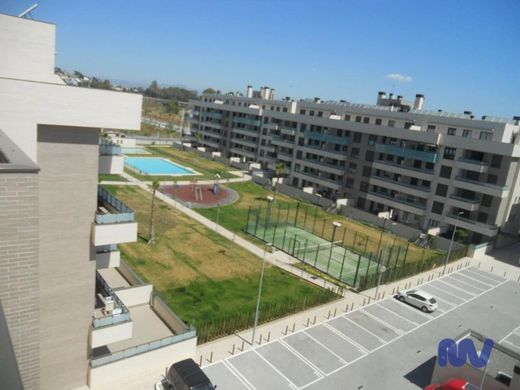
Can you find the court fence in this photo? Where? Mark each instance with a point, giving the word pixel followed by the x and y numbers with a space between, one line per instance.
pixel 341 250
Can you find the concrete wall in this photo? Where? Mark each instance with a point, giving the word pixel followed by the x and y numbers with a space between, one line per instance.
pixel 157 361
pixel 134 296
pixel 108 259
pixel 111 334
pixel 115 233
pixel 169 317
pixel 68 158
pixel 19 284
pixel 297 193
pixel 111 164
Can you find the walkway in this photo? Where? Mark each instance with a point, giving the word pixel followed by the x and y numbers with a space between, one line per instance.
pixel 242 177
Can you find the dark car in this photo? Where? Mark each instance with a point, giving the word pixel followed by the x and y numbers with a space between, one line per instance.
pixel 187 375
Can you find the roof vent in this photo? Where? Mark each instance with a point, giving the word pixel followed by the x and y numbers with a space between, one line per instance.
pixel 317 100
pixel 467 113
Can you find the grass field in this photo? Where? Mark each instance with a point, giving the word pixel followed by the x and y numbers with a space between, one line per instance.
pixel 111 177
pixel 202 276
pixel 205 167
pixel 362 237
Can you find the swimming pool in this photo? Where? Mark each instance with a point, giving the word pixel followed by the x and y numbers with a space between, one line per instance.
pixel 157 166
pixel 134 151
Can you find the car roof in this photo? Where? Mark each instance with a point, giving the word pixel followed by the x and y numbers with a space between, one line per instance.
pixel 422 293
pixel 190 372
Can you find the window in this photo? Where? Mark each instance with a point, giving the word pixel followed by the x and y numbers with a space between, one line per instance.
pixel 302 112
pixel 452 131
pixel 379 121
pixel 437 207
pixel 311 113
pixel 466 133
pixel 429 166
pixel 358 119
pixel 320 114
pixel 347 117
pixel 366 119
pixel 357 137
pixel 445 172
pixel 355 153
pixel 349 183
pixel 363 186
pixel 449 153
pixel 391 123
pixel 482 217
pixel 486 200
pixel 442 190
pixel 485 136
pixel 407 125
pixel 352 168
pixel 369 155
pixel 496 161
pixel 285 109
pixel 492 179
pixel 372 139
pixel 367 171
pixel 431 129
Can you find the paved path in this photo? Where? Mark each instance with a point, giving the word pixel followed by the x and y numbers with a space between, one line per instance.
pixel 242 177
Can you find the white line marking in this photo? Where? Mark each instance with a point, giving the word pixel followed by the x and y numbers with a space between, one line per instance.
pixel 239 376
pixel 299 355
pixel 465 283
pixel 485 274
pixel 291 384
pixel 413 330
pixel 473 277
pixel 453 295
pixel 383 322
pixel 366 330
pixel 510 333
pixel 398 315
pixel 413 309
pixel 360 348
pixel 510 343
pixel 327 348
pixel 460 289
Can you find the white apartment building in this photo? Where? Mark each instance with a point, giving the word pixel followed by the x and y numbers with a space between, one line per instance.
pixel 433 169
pixel 72 315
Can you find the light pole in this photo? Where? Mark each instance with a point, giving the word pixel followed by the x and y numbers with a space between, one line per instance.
pixel 267 245
pixel 451 242
pixel 381 270
pixel 335 225
pixel 381 236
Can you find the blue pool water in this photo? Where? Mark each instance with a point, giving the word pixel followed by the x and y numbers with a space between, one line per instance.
pixel 134 151
pixel 156 166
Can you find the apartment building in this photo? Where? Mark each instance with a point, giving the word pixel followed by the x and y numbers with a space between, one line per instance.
pixel 71 314
pixel 433 169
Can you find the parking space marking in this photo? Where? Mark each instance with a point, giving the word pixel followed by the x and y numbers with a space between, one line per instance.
pixel 223 372
pixel 327 348
pixel 465 284
pixel 366 330
pixel 367 340
pixel 398 315
pixel 348 339
pixel 384 323
pixel 405 310
pixel 510 333
pixel 398 322
pixel 277 370
pixel 237 374
pixel 514 339
pixel 438 290
pixel 456 290
pixel 474 278
pixel 384 332
pixel 488 275
pixel 474 274
pixel 301 357
pixel 472 282
pixel 512 346
pixel 414 309
pixel 345 349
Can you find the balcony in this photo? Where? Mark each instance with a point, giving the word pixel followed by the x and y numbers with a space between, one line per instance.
pixel 108 148
pixel 398 202
pixel 244 142
pixel 411 189
pixel 471 225
pixel 334 139
pixel 406 152
pixel 247 121
pixel 472 165
pixel 321 180
pixel 482 187
pixel 210 114
pixel 320 165
pixel 464 203
pixel 212 124
pixel 243 152
pixel 245 132
pixel 287 130
pixel 114 221
pixel 325 152
pixel 420 173
pixel 283 156
pixel 275 140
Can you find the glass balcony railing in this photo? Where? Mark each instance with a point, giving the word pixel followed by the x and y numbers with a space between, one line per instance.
pixel 471 161
pixel 406 152
pixel 113 211
pixel 400 183
pixel 210 114
pixel 247 121
pixel 408 167
pixel 108 148
pixel 399 199
pixel 118 314
pixel 472 222
pixel 482 183
pixel 334 139
pixel 463 199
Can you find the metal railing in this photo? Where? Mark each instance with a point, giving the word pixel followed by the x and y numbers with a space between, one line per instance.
pixel 470 161
pixel 410 168
pixel 472 222
pixel 399 199
pixel 125 213
pixel 247 121
pixel 406 152
pixel 462 199
pixel 482 183
pixel 327 138
pixel 111 319
pixel 400 183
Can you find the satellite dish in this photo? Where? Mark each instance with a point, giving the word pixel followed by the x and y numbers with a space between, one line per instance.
pixel 28 11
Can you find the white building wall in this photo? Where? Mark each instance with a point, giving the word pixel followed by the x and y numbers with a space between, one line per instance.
pixel 111 334
pixel 111 164
pixel 116 233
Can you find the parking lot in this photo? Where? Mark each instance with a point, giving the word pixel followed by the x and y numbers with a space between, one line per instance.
pixel 387 344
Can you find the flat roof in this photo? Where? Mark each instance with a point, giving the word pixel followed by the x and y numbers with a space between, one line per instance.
pixel 387 344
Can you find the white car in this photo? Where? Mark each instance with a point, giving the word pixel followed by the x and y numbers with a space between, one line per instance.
pixel 418 298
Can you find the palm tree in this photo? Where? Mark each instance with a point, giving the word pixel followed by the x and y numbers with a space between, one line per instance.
pixel 151 231
pixel 279 170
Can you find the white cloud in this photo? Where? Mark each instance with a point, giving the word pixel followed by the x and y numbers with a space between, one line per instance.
pixel 399 77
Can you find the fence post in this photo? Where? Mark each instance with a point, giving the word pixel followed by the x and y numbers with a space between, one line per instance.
pixel 305 217
pixel 248 218
pixel 257 219
pixel 316 258
pixel 297 211
pixel 354 242
pixel 406 253
pixel 315 215
pixel 357 269
pixel 342 264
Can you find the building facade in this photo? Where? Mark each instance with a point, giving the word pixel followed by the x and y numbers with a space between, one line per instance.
pixel 433 169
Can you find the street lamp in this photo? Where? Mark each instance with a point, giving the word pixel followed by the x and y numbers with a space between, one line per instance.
pixel 451 242
pixel 381 236
pixel 381 271
pixel 267 245
pixel 335 225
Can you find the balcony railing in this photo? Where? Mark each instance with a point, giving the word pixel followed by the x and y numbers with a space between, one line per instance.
pixel 473 222
pixel 406 152
pixel 111 319
pixel 210 114
pixel 410 168
pixel 108 148
pixel 482 183
pixel 123 214
pixel 337 182
pixel 463 199
pixel 471 161
pixel 400 183
pixel 399 199
pixel 247 121
pixel 334 139
pixel 280 140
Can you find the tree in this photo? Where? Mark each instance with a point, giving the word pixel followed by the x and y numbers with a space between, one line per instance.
pixel 209 91
pixel 172 107
pixel 151 232
pixel 153 89
pixel 279 170
pixel 79 75
pixel 198 136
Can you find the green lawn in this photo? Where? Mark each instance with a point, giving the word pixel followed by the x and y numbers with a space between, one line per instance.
pixel 111 177
pixel 205 278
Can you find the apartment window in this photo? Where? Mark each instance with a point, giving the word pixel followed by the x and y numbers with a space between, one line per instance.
pixel 357 137
pixel 391 123
pixel 431 129
pixel 466 133
pixel 485 136
pixel 369 155
pixel 445 172
pixel 437 207
pixel 302 112
pixel 311 113
pixel 352 168
pixel 320 114
pixel 285 109
pixel 347 117
pixel 496 161
pixel 277 108
pixel 482 217
pixel 429 166
pixel 366 119
pixel 358 119
pixel 379 121
pixel 492 179
pixel 486 200
pixel 449 153
pixel 367 171
pixel 407 125
pixel 442 190
pixel 349 183
pixel 452 131
pixel 355 153
pixel 303 127
pixel 363 186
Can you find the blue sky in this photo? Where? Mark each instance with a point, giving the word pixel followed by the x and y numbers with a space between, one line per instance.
pixel 463 55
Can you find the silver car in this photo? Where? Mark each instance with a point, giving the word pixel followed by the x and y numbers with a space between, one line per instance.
pixel 418 298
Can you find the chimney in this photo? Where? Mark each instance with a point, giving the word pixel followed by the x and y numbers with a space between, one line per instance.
pixel 272 94
pixel 517 120
pixel 380 96
pixel 391 96
pixel 249 93
pixel 419 102
pixel 317 100
pixel 399 97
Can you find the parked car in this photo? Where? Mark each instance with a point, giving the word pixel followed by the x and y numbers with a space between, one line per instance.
pixel 187 375
pixel 418 298
pixel 452 384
